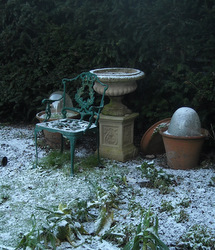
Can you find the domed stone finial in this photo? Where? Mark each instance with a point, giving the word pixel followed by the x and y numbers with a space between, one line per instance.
pixel 185 122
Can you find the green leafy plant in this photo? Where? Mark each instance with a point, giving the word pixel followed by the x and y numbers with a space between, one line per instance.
pixel 159 127
pixel 55 159
pixel 33 238
pixel 166 206
pixel 185 202
pixel 64 225
pixel 87 162
pixel 65 222
pixel 182 216
pixel 212 182
pixel 105 201
pixel 118 180
pixel 82 210
pixel 4 197
pixel 157 178
pixel 119 234
pixel 104 221
pixel 197 237
pixel 107 198
pixel 135 207
pixel 146 236
pixel 61 226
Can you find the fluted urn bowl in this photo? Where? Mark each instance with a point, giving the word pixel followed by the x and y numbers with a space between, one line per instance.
pixel 121 81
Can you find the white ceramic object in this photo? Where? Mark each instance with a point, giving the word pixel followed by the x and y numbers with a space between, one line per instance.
pixel 185 122
pixel 58 105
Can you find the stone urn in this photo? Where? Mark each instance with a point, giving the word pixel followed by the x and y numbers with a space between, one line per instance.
pixel 121 81
pixel 183 139
pixel 116 122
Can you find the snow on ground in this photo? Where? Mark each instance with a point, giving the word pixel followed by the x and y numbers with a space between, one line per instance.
pixel 23 189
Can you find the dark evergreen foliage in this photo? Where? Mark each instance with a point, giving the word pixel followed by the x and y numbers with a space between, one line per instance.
pixel 173 42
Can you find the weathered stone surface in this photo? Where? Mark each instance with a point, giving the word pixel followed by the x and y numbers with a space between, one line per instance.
pixel 185 122
pixel 116 137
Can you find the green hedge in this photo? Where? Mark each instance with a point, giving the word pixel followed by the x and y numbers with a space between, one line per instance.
pixel 173 42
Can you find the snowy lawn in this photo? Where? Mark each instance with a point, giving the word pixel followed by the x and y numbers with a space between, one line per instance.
pixel 105 205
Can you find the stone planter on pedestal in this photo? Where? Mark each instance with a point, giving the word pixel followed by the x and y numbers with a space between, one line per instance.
pixel 116 123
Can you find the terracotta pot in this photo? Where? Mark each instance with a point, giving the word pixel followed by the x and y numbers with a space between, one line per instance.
pixel 183 152
pixel 152 143
pixel 52 139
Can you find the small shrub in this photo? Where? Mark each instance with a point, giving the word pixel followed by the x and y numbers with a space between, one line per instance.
pixel 166 206
pixel 185 202
pixel 212 182
pixel 55 159
pixel 61 226
pixel 182 217
pixel 33 238
pixel 4 197
pixel 146 235
pixel 157 178
pixel 87 162
pixel 135 207
pixel 119 235
pixel 198 237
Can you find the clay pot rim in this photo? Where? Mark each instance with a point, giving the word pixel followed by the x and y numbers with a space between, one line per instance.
pixel 38 116
pixel 148 137
pixel 204 133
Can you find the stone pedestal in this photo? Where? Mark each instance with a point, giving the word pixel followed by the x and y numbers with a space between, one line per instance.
pixel 116 137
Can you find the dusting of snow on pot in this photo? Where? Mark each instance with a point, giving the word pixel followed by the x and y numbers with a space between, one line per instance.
pixel 185 122
pixel 183 139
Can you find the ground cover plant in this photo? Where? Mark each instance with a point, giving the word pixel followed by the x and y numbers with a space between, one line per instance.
pixel 109 207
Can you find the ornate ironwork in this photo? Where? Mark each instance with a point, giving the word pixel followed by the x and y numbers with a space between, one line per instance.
pixel 89 114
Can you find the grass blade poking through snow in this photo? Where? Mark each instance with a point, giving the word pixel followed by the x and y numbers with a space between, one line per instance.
pixel 146 235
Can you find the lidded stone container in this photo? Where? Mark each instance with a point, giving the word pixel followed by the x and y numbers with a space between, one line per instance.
pixel 183 139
